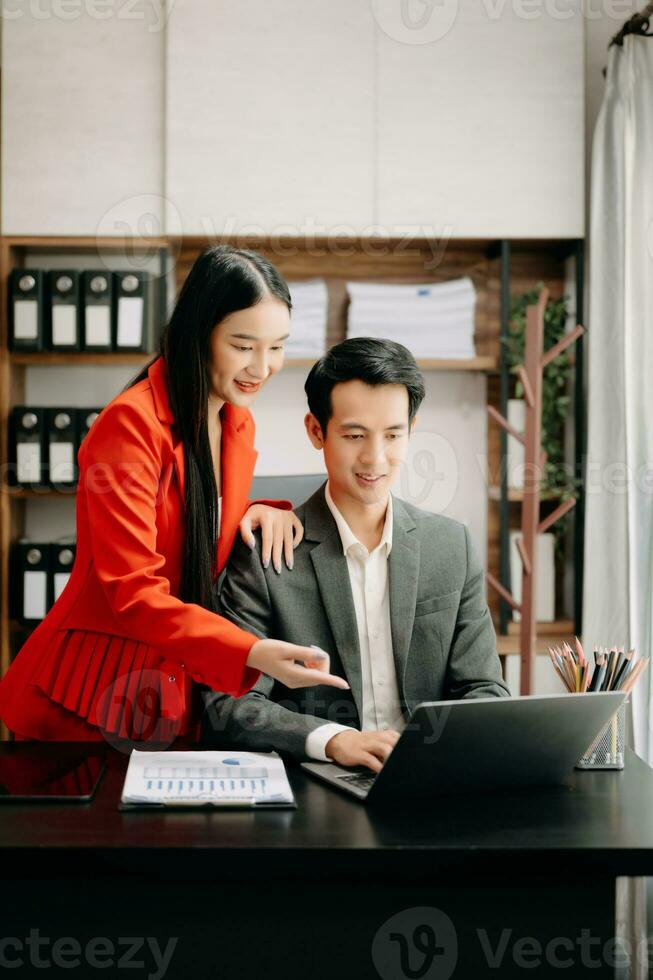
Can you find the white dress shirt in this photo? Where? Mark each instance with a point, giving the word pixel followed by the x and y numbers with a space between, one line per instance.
pixel 368 576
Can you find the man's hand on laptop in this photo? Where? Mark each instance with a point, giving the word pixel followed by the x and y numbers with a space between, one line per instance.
pixel 354 748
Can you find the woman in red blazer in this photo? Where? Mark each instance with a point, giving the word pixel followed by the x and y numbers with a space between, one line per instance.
pixel 164 476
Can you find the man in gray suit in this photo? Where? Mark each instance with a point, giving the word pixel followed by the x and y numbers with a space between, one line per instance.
pixel 393 594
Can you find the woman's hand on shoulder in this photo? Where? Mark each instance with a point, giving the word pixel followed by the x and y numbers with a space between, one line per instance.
pixel 281 532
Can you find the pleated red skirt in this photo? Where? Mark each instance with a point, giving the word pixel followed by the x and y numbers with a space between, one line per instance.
pixel 93 686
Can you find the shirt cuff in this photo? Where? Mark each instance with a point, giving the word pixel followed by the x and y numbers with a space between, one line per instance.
pixel 316 741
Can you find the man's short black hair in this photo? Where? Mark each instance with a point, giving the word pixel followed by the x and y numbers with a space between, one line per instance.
pixel 367 359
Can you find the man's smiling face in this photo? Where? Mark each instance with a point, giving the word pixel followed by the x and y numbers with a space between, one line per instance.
pixel 366 439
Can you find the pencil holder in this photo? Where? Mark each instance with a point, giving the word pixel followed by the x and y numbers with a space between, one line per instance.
pixel 607 749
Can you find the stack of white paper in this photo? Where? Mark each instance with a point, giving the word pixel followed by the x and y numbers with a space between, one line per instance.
pixel 308 323
pixel 206 777
pixel 432 319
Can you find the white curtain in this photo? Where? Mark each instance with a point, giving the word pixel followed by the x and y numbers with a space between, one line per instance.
pixel 618 588
pixel 618 591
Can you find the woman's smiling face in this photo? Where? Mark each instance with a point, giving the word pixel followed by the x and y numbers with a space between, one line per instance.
pixel 246 348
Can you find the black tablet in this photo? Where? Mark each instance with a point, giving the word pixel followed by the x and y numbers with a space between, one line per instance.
pixel 46 772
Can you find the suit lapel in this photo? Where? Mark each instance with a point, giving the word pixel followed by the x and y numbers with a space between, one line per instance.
pixel 180 466
pixel 238 462
pixel 158 378
pixel 332 576
pixel 333 581
pixel 403 575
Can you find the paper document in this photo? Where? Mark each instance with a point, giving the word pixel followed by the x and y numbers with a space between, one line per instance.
pixel 26 319
pixel 35 585
pixel 98 326
pixel 206 777
pixel 310 301
pixel 64 324
pixel 130 322
pixel 436 319
pixel 28 462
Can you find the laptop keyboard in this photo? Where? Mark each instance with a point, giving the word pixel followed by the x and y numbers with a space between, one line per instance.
pixel 361 780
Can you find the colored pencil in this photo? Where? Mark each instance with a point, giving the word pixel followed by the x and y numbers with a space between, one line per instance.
pixel 613 669
pixel 623 670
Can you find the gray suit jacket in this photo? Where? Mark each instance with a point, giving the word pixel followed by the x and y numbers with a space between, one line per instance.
pixel 442 634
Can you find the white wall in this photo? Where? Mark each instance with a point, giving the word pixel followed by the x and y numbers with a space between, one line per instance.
pixel 546 680
pixel 292 114
pixel 270 115
pixel 303 115
pixel 481 131
pixel 82 120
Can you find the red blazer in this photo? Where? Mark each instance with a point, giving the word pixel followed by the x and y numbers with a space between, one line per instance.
pixel 119 649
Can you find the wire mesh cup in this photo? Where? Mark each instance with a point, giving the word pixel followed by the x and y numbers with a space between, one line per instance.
pixel 607 749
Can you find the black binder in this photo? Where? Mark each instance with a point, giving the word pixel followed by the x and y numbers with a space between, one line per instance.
pixel 33 578
pixel 85 419
pixel 28 449
pixel 64 309
pixel 97 307
pixel 27 310
pixel 62 557
pixel 61 435
pixel 134 311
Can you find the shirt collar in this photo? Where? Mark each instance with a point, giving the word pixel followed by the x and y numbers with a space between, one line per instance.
pixel 348 537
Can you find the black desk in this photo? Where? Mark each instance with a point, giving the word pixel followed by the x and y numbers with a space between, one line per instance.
pixel 314 892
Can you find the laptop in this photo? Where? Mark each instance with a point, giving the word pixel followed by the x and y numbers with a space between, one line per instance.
pixel 480 744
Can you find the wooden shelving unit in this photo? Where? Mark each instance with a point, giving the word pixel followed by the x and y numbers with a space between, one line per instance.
pixel 517 496
pixel 58 359
pixel 375 260
pixel 54 359
pixel 557 627
pixel 560 266
pixel 37 493
pixel 547 634
pixel 16 252
pixel 496 268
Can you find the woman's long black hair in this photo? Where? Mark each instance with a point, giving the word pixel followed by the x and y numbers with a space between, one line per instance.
pixel 223 280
